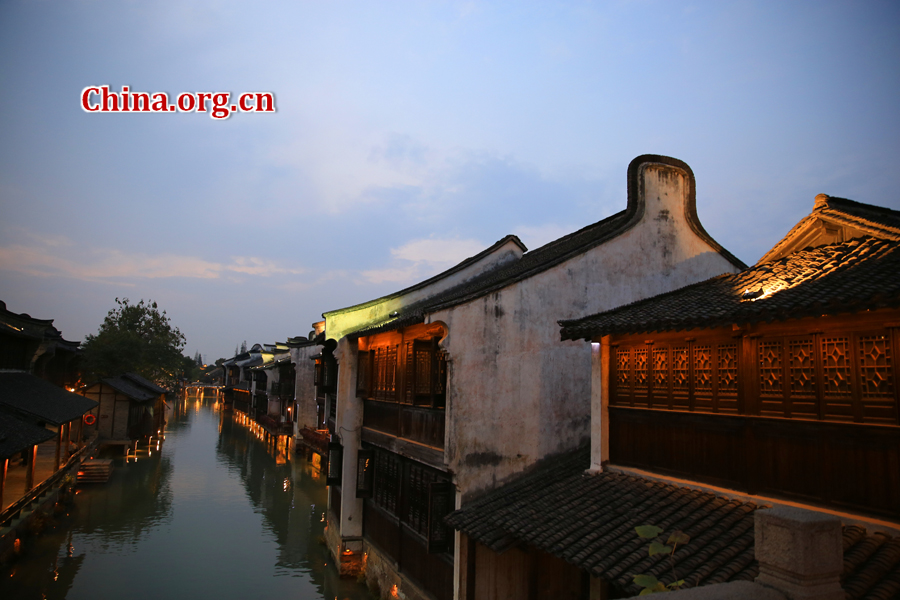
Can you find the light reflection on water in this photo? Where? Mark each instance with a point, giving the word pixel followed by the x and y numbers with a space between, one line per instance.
pixel 214 512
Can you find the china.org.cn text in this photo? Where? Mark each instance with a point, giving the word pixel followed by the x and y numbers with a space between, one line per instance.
pixel 99 98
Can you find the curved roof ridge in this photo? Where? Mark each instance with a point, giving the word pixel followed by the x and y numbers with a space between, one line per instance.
pixel 435 278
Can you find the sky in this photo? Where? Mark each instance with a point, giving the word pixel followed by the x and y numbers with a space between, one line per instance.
pixel 407 136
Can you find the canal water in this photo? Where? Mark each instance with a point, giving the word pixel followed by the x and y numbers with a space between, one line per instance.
pixel 213 511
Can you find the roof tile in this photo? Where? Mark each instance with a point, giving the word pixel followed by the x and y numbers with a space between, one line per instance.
pixel 858 274
pixel 588 520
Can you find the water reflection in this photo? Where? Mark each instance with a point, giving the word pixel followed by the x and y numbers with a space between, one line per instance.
pixel 214 512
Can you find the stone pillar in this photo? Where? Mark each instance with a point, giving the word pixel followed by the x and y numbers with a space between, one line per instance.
pixel 800 553
pixel 349 419
pixel 599 404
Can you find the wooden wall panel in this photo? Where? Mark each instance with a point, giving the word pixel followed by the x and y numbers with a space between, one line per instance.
pixel 851 466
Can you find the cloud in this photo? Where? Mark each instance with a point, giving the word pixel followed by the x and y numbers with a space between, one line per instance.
pixel 422 258
pixel 46 256
pixel 262 267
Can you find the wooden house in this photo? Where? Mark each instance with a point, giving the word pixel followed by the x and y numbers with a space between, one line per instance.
pixel 129 408
pixel 274 392
pixel 29 405
pixel 446 389
pixel 37 347
pixel 776 385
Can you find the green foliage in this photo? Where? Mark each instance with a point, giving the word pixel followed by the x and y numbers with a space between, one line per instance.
pixel 648 531
pixel 657 548
pixel 649 583
pixel 138 338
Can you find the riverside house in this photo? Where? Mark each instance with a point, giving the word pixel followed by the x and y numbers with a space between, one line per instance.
pixel 453 386
pixel 775 386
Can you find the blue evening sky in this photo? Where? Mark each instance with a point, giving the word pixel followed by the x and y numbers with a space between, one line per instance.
pixel 408 136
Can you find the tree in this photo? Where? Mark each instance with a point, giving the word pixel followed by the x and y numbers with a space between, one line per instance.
pixel 244 347
pixel 135 338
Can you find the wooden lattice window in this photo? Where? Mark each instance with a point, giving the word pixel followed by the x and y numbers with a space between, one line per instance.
pixel 836 366
pixel 414 372
pixel 837 376
pixel 623 367
pixel 384 377
pixel 875 366
pixel 386 487
pixel 727 368
pixel 700 377
pixel 802 367
pixel 640 369
pixel 426 372
pixel 660 368
pixel 771 368
pixel 418 495
pixel 417 507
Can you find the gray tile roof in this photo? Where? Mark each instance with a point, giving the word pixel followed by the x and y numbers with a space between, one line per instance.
pixel 17 435
pixel 28 395
pixel 135 387
pixel 868 219
pixel 856 275
pixel 871 565
pixel 588 520
pixel 146 383
pixel 862 215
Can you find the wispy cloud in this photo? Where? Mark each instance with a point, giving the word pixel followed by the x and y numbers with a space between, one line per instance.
pixel 59 256
pixel 419 259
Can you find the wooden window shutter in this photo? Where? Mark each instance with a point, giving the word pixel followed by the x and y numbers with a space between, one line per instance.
pixel 439 378
pixel 391 373
pixel 423 372
pixel 331 369
pixel 365 473
pixel 408 393
pixel 440 504
pixel 335 463
pixel 377 372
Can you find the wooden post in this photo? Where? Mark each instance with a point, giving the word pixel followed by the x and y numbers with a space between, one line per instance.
pixel 68 439
pixel 3 481
pixel 58 445
pixel 29 476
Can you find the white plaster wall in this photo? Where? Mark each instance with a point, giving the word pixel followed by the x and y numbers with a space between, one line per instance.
pixel 304 385
pixel 516 392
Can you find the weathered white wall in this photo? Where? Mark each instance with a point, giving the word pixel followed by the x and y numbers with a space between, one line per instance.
pixel 516 392
pixel 304 385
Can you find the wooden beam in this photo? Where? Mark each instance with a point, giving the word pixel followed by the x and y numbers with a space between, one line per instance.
pixel 3 481
pixel 58 446
pixel 29 475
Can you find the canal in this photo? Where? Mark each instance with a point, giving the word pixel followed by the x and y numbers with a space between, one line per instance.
pixel 211 512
